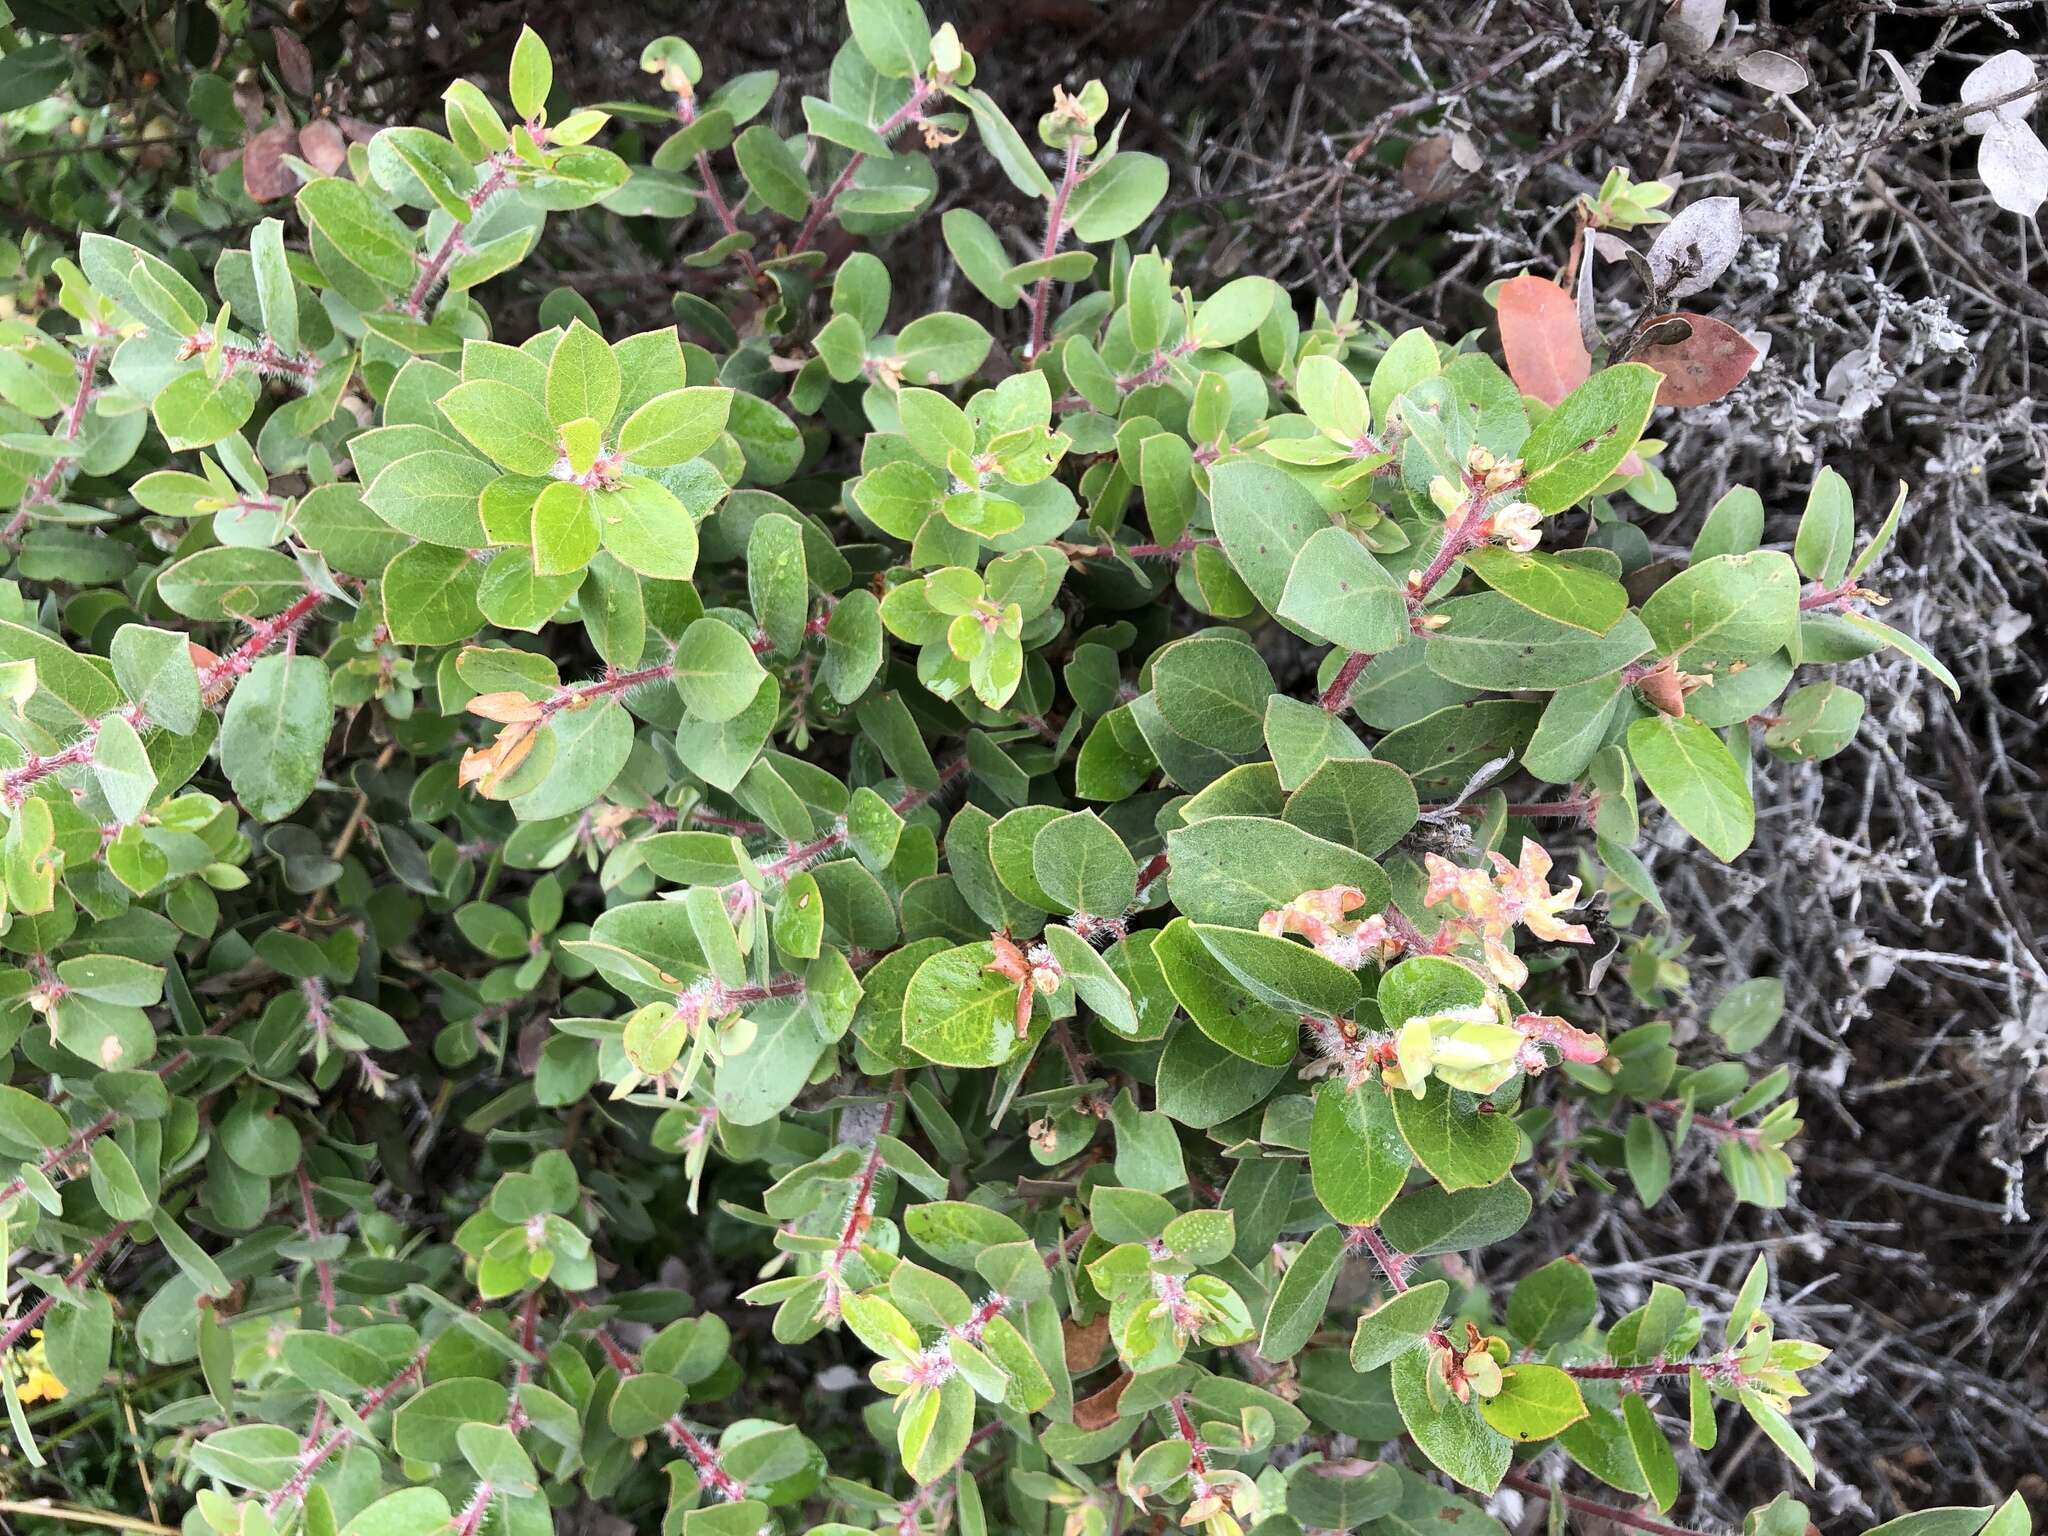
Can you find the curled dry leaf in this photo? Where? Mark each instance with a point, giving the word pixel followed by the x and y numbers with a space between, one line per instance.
pixel 1429 171
pixel 1998 76
pixel 2011 158
pixel 264 174
pixel 1696 246
pixel 1769 70
pixel 1690 26
pixel 1709 361
pixel 1539 332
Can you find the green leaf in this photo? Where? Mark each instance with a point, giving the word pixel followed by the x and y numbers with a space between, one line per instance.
pixel 1453 1436
pixel 1264 517
pixel 643 524
pixel 195 411
pixel 154 668
pixel 532 75
pixel 1365 805
pixel 274 734
pixel 1098 986
pixel 564 529
pixel 1535 1402
pixel 1213 691
pixel 1357 1158
pixel 892 35
pixel 1115 198
pixel 434 496
pixel 121 768
pixel 1235 310
pixel 507 425
pixel 1221 1008
pixel 1280 972
pixel 430 596
pixel 1659 1468
pixel 773 172
pixel 424 1428
pixel 1779 1429
pixel 1296 1310
pixel 1689 770
pixel 1460 1145
pixel 1557 589
pixel 1583 441
pixel 1232 870
pixel 716 670
pixel 1906 646
pixel 958 1013
pixel 1084 866
pixel 1827 530
pixel 1338 592
pixel 1648 1156
pixel 368 237
pixel 1554 1304
pixel 1490 641
pixel 1728 609
pixel 583 379
pixel 400 1514
pixel 981 257
pixel 941 348
pixel 675 427
pixel 1747 1013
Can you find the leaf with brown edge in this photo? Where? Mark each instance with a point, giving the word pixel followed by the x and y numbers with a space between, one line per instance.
pixel 1703 367
pixel 1539 332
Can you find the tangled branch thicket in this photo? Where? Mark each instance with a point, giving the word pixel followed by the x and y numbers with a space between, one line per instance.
pixel 1424 151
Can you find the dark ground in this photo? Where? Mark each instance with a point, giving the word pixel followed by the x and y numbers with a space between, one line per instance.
pixel 1899 888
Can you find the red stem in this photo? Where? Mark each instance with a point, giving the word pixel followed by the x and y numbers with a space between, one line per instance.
pixel 1839 596
pixel 709 1472
pixel 1719 1127
pixel 85 1266
pixel 804 853
pixel 436 266
pixel 471 1520
pixel 686 112
pixel 1388 1260
pixel 1067 1245
pixel 262 636
pixel 1614 1512
pixel 862 1213
pixel 613 681
pixel 1337 696
pixel 920 93
pixel 1186 544
pixel 321 1267
pixel 1055 229
pixel 42 490
pixel 1577 808
pixel 1198 1457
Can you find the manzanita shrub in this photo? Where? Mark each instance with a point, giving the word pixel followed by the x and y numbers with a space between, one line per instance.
pixel 1004 849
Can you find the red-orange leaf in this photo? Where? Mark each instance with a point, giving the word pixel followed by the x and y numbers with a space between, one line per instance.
pixel 1705 366
pixel 1539 331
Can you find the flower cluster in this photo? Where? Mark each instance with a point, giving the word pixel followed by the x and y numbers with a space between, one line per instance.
pixel 1492 904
